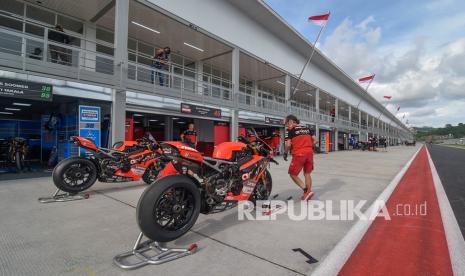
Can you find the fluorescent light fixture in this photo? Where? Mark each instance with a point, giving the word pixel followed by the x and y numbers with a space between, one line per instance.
pixel 175 118
pixel 153 120
pixel 145 27
pixel 181 123
pixel 162 124
pixel 136 122
pixel 12 109
pixel 137 115
pixel 22 104
pixel 192 46
pixel 7 113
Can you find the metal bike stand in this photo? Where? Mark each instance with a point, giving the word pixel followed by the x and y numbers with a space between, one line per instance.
pixel 141 257
pixel 62 197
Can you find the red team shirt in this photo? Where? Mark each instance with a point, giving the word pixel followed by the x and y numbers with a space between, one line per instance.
pixel 190 136
pixel 301 139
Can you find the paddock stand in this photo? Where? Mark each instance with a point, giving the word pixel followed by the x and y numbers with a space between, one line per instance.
pixel 62 197
pixel 141 256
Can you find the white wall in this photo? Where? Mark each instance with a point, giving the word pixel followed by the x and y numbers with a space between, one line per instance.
pixel 226 21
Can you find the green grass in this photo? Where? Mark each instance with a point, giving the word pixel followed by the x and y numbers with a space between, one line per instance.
pixel 454 146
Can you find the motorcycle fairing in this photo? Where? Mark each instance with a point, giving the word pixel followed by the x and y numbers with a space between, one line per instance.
pixel 226 150
pixel 85 143
pixel 186 151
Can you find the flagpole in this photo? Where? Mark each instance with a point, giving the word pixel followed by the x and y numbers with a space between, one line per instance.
pixel 366 90
pixel 310 58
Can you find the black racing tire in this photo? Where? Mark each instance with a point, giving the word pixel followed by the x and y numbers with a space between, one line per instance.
pixel 80 170
pixel 19 165
pixel 262 190
pixel 166 196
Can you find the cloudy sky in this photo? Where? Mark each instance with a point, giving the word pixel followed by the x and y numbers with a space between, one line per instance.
pixel 416 49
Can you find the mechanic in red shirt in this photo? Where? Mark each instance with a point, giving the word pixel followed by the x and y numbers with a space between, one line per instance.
pixel 300 141
pixel 189 136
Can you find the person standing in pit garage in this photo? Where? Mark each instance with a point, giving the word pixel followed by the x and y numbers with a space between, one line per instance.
pixel 189 136
pixel 276 141
pixel 300 141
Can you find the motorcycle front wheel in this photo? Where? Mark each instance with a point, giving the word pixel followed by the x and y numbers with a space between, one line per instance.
pixel 168 208
pixel 74 175
pixel 263 188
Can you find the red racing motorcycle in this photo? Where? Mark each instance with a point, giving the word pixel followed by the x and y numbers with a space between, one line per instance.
pixel 126 161
pixel 191 184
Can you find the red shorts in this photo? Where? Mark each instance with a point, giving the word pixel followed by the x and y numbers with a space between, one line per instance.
pixel 301 162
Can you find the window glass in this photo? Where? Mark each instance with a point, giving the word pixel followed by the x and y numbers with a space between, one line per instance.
pixel 146 49
pixel 34 49
pixel 176 59
pixel 70 24
pixel 34 30
pixel 104 50
pixel 10 44
pixel 105 35
pixel 132 44
pixel 40 15
pixel 12 6
pixel 11 23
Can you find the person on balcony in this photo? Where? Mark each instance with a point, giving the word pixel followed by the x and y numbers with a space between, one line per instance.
pixel 300 141
pixel 57 52
pixel 161 62
pixel 189 136
pixel 333 114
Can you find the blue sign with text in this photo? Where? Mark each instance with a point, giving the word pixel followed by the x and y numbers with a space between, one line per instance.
pixel 89 125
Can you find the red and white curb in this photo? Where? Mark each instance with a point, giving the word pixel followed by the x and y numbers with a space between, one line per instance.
pixel 341 253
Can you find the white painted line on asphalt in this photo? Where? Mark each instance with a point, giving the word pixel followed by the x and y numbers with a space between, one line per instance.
pixel 336 259
pixel 455 241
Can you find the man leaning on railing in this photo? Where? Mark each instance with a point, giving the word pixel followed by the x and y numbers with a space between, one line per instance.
pixel 57 52
pixel 160 62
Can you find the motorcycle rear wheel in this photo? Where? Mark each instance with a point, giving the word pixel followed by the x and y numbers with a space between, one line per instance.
pixel 74 175
pixel 168 208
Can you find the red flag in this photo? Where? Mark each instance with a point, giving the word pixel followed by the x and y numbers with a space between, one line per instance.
pixel 319 19
pixel 388 97
pixel 367 78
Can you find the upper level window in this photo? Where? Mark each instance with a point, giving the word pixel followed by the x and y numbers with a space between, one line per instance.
pixel 105 35
pixel 70 24
pixel 40 15
pixel 12 6
pixel 11 23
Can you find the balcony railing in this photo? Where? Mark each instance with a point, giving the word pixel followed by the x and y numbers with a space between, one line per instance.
pixel 94 62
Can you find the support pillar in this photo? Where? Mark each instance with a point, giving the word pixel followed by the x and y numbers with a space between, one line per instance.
pixel 317 101
pixel 287 93
pixel 118 116
pixel 199 70
pixel 168 128
pixel 235 79
pixel 88 58
pixel 234 125
pixel 118 107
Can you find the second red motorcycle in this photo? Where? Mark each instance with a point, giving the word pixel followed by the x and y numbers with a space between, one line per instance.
pixel 126 161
